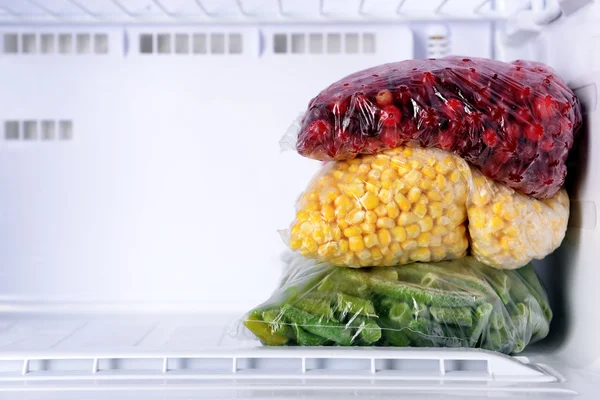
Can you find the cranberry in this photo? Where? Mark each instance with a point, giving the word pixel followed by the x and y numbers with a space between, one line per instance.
pixel 453 107
pixel 339 106
pixel 390 116
pixel 446 140
pixel 534 132
pixel 522 94
pixel 545 107
pixel 428 118
pixel 547 144
pixel 403 95
pixel 390 138
pixel 384 98
pixel 490 138
pixel 523 114
pixel 318 130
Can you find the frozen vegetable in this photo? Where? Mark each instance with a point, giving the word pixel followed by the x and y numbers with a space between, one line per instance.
pixel 514 121
pixel 460 303
pixel 412 204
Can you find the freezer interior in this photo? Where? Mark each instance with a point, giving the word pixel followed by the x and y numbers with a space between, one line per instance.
pixel 142 187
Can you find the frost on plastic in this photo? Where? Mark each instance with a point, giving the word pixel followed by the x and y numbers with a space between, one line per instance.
pixel 460 303
pixel 514 121
pixel 413 204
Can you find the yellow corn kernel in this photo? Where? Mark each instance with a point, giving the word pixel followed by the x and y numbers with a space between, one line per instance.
pixel 430 162
pixel 385 196
pixel 508 213
pixel 392 210
pixel 370 240
pixel 356 243
pixel 355 217
pixel 438 253
pixel 369 201
pixel 444 167
pixel 374 174
pixel 444 220
pixel 368 228
pixel 424 239
pixel 295 231
pixel 381 210
pixel 353 168
pixel 328 232
pixel 428 172
pixel 342 166
pixel 343 202
pixel 436 209
pixel 477 217
pixel 448 197
pixel 295 244
pixel 420 210
pixel 454 176
pixel 426 224
pixel 370 217
pixel 423 200
pixel 481 196
pixel 407 218
pixel 343 224
pixel 496 223
pixel 425 184
pixel 338 175
pixel 354 190
pixel 310 245
pixel 328 212
pixel 457 215
pixel 413 177
pixel 434 195
pixel 399 187
pixel 364 255
pixel 413 194
pixel 373 187
pixel 307 228
pixel 420 254
pixel 415 164
pixel 403 169
pixel 435 241
pixel 301 216
pixel 409 245
pixel 327 249
pixel 319 236
pixel 537 205
pixel 505 243
pixel 497 207
pixel 407 152
pixel 311 206
pixel 384 237
pixel 440 182
pixel 389 174
pixel 450 238
pixel 399 234
pixel 439 230
pixel 329 195
pixel 312 196
pixel 412 231
pixel 376 253
pixel 342 246
pixel 352 231
pixel 402 202
pixel 385 222
pixel 395 249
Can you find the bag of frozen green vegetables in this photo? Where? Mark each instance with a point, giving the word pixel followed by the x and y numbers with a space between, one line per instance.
pixel 458 303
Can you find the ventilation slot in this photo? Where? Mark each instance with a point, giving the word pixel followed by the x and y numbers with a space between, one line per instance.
pixel 408 366
pixel 319 43
pixel 269 365
pixel 328 365
pixel 32 130
pixel 67 43
pixel 200 365
pixel 194 43
pixel 130 364
pixel 466 367
pixel 78 366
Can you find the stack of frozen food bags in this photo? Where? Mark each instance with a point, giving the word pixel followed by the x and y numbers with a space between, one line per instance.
pixel 445 181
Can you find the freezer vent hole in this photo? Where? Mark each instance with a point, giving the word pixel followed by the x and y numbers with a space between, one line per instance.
pixel 32 130
pixel 319 43
pixel 195 43
pixel 49 43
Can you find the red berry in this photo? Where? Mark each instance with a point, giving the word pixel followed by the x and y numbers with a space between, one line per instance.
pixel 428 118
pixel 390 116
pixel 490 138
pixel 565 125
pixel 390 137
pixel 547 144
pixel 523 114
pixel 446 140
pixel 453 106
pixel 513 134
pixel 318 130
pixel 501 157
pixel 544 107
pixel 384 98
pixel 534 132
pixel 522 94
pixel 403 94
pixel 339 106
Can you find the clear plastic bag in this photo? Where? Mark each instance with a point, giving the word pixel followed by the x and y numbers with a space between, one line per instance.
pixel 421 204
pixel 460 303
pixel 514 121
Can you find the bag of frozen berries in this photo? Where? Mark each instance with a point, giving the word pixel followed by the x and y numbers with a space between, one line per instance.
pixel 514 121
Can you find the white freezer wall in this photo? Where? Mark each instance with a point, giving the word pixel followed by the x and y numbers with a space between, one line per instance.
pixel 170 184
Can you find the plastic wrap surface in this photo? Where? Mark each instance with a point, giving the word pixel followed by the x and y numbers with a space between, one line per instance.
pixel 516 121
pixel 421 204
pixel 460 303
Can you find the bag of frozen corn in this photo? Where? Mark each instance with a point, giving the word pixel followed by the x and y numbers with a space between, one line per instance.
pixel 417 204
pixel 460 303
